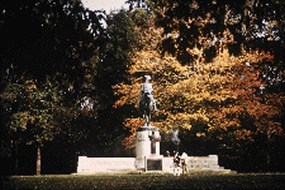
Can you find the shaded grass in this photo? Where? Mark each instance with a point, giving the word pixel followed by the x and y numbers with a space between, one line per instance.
pixel 147 181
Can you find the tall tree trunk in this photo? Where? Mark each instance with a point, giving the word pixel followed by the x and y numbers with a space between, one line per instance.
pixel 16 156
pixel 38 162
pixel 268 152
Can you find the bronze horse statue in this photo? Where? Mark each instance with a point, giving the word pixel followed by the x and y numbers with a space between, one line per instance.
pixel 146 106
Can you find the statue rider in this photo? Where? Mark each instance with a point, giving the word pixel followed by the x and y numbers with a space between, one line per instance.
pixel 147 88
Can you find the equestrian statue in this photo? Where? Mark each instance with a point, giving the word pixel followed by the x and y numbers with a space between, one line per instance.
pixel 147 103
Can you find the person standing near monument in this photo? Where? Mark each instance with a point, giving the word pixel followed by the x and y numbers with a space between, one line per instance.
pixel 184 164
pixel 176 159
pixel 176 162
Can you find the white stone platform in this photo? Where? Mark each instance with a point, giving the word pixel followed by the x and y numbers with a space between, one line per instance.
pixel 93 165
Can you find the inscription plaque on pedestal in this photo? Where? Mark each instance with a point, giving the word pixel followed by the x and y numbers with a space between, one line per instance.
pixel 154 164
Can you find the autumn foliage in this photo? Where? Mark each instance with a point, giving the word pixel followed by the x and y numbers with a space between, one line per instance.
pixel 217 100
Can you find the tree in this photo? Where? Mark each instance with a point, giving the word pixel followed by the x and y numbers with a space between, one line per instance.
pixel 44 35
pixel 32 112
pixel 221 101
pixel 55 44
pixel 254 25
pixel 120 40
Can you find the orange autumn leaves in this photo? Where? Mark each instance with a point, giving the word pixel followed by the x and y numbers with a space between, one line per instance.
pixel 223 95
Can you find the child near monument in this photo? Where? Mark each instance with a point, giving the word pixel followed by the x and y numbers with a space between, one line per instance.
pixel 176 162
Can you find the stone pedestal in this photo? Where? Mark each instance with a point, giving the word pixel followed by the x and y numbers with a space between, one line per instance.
pixel 147 147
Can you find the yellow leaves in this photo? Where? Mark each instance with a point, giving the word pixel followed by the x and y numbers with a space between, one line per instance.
pixel 32 120
pixel 30 85
pixel 243 134
pixel 195 51
pixel 133 123
pixel 129 142
pixel 151 62
pixel 230 123
pixel 219 94
pixel 129 94
pixel 275 128
pixel 256 56
pixel 178 120
pixel 180 90
pixel 19 121
pixel 199 117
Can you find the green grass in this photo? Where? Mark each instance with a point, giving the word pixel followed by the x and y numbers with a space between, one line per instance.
pixel 147 181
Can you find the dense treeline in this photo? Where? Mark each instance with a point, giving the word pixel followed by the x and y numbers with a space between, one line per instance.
pixel 59 61
pixel 70 80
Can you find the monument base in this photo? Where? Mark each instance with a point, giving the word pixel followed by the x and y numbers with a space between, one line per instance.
pixel 155 163
pixel 195 164
pixel 147 148
pixel 92 165
pixel 151 162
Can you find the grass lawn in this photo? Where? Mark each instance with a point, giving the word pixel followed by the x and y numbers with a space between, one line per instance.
pixel 147 181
